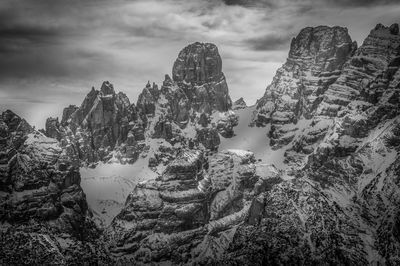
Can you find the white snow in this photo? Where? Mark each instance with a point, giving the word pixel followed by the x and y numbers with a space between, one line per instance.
pixel 108 185
pixel 42 143
pixel 256 140
pixel 241 153
pixel 248 138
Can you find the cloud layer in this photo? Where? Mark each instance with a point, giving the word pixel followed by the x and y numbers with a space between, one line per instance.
pixel 53 51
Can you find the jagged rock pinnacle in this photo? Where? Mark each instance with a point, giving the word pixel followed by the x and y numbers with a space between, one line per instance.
pixel 198 63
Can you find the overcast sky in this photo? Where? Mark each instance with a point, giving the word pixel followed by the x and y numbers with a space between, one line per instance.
pixel 52 52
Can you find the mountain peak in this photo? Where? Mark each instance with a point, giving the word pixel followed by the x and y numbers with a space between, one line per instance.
pixel 107 88
pixel 198 63
pixel 389 30
pixel 313 41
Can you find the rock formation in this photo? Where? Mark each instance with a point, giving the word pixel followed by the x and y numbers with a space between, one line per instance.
pixel 43 210
pixel 108 127
pixel 200 65
pixel 315 61
pixel 363 81
pixel 349 174
pixel 190 213
pixel 105 122
pixel 239 104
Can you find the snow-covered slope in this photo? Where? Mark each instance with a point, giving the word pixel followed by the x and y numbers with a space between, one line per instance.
pixel 254 139
pixel 108 185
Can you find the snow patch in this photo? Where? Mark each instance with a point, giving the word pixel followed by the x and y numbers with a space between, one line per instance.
pixel 108 185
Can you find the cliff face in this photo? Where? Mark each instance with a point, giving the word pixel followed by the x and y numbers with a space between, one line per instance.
pixel 41 202
pixel 200 65
pixel 315 61
pixel 38 180
pixel 355 100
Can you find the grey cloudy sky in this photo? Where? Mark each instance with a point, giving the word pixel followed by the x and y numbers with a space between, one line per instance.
pixel 52 52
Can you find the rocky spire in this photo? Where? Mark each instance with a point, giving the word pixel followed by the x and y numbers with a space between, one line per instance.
pixel 107 88
pixel 92 130
pixel 198 63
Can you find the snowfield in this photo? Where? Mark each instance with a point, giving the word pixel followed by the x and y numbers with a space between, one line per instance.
pixel 253 139
pixel 108 185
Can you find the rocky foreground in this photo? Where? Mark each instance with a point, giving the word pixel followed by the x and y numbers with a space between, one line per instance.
pixel 332 114
pixel 43 211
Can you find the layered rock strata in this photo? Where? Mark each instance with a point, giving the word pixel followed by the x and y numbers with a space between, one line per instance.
pixel 315 61
pixel 190 213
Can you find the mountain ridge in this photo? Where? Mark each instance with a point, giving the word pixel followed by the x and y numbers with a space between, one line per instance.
pixel 331 115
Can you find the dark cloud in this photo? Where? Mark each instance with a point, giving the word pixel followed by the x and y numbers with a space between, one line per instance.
pixel 37 41
pixel 27 32
pixel 21 38
pixel 248 3
pixel 360 3
pixel 332 3
pixel 269 42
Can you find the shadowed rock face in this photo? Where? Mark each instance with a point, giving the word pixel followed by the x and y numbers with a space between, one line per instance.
pixel 53 128
pixel 43 210
pixel 41 182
